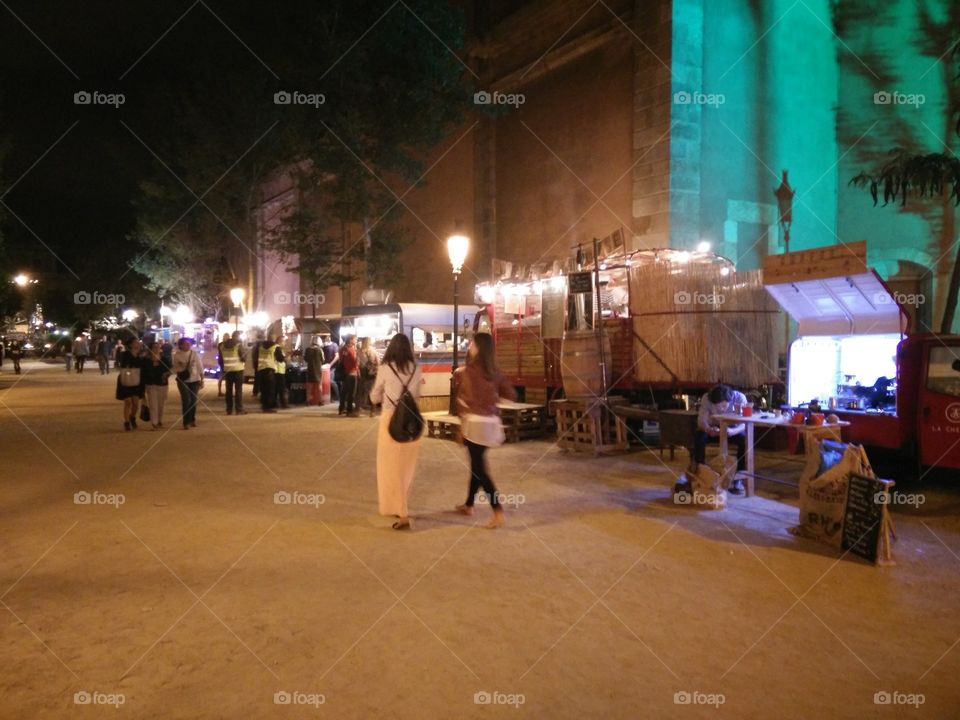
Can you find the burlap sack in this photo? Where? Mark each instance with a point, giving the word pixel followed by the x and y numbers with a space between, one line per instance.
pixel 823 498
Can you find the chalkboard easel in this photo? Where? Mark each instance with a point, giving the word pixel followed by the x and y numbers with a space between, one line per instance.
pixel 867 526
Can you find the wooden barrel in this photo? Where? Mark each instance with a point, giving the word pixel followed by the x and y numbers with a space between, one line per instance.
pixel 580 364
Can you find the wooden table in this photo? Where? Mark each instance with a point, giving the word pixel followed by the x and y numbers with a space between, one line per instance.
pixel 725 421
pixel 522 420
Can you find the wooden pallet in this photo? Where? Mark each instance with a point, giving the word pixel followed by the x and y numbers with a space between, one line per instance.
pixel 442 426
pixel 588 426
pixel 522 421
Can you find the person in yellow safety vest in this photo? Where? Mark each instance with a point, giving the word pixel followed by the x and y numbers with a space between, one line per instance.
pixel 281 379
pixel 265 360
pixel 232 357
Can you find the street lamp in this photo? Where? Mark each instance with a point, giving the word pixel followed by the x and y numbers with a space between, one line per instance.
pixel 130 315
pixel 785 195
pixel 457 246
pixel 21 280
pixel 236 297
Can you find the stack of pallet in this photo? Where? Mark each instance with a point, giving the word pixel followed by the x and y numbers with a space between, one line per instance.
pixel 620 362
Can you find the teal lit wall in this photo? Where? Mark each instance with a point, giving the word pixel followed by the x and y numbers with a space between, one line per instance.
pixel 889 49
pixel 778 112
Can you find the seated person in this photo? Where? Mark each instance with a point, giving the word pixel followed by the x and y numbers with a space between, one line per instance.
pixel 718 402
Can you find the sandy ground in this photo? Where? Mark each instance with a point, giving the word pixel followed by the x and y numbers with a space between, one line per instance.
pixel 200 597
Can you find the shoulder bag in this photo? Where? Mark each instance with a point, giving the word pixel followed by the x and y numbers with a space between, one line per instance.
pixel 406 424
pixel 184 375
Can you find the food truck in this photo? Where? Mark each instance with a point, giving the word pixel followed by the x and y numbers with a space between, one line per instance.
pixel 673 322
pixel 430 329
pixel 853 356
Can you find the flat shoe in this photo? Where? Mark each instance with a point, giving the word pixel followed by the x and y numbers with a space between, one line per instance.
pixel 495 522
pixel 404 525
pixel 464 509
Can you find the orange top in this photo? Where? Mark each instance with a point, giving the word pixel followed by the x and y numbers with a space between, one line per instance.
pixel 476 395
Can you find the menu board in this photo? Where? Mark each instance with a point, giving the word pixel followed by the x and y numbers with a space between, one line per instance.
pixel 580 282
pixel 863 519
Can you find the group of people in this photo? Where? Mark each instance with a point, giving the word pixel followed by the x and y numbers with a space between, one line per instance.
pixel 478 385
pixel 353 371
pixel 76 354
pixel 143 381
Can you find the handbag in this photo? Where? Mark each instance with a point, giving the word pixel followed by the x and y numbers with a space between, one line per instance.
pixel 406 424
pixel 130 377
pixel 144 413
pixel 486 430
pixel 184 375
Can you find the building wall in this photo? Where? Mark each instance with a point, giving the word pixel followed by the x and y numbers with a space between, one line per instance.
pixel 563 159
pixel 767 104
pixel 911 248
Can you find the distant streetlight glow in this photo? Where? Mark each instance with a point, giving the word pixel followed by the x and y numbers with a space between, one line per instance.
pixel 183 315
pixel 236 295
pixel 130 314
pixel 22 280
pixel 457 246
pixel 703 246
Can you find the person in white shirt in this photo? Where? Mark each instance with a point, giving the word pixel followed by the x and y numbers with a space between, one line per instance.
pixel 396 461
pixel 719 401
pixel 189 373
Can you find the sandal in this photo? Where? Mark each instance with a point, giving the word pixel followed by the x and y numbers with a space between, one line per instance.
pixel 401 525
pixel 464 509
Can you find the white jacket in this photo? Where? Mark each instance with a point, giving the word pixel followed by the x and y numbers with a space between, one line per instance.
pixel 388 386
pixel 188 360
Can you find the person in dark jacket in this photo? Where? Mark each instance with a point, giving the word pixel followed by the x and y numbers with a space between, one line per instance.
pixel 314 359
pixel 16 352
pixel 265 361
pixel 131 395
pixel 156 376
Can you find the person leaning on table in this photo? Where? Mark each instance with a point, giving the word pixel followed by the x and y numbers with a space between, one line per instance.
pixel 717 401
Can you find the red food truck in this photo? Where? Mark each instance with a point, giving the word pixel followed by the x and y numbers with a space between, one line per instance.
pixel 854 355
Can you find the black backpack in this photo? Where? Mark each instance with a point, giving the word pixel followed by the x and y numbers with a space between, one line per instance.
pixel 406 425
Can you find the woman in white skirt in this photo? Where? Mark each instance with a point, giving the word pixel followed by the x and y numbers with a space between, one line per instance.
pixel 396 462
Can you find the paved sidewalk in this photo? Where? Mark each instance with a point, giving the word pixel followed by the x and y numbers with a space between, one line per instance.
pixel 189 587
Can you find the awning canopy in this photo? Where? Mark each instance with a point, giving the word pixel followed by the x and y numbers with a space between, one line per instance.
pixel 857 304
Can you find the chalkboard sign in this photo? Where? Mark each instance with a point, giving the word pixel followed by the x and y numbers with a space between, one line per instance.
pixel 581 282
pixel 863 519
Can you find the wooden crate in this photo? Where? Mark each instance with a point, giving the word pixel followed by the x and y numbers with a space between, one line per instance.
pixel 588 426
pixel 442 426
pixel 522 421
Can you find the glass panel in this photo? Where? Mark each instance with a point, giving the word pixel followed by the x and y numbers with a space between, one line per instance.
pixel 943 373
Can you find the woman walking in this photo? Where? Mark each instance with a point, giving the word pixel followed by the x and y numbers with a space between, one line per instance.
pixel 156 374
pixel 478 386
pixel 130 381
pixel 396 462
pixel 186 364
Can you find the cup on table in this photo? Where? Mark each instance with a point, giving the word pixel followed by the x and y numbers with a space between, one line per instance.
pixel 748 410
pixel 777 412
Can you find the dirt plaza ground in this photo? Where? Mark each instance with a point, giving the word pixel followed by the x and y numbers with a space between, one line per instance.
pixel 187 588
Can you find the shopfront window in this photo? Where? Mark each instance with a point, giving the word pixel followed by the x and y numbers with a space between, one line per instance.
pixel 943 372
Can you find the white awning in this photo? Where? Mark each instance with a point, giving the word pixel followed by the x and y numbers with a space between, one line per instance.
pixel 843 305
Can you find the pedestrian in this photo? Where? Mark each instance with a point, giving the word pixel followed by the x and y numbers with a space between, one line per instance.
pixel 314 359
pixel 233 357
pixel 118 350
pixel 350 375
pixel 80 351
pixel 331 358
pixel 478 385
pixel 368 361
pixel 221 378
pixel 396 462
pixel 103 355
pixel 280 377
pixel 16 352
pixel 189 370
pixel 265 360
pixel 68 355
pixel 2 352
pixel 130 387
pixel 156 376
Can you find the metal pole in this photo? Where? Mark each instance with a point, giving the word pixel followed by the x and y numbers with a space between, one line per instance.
pixel 456 312
pixel 598 322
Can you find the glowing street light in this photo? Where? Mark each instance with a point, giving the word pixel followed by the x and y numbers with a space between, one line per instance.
pixel 236 297
pixel 130 315
pixel 457 247
pixel 22 280
pixel 183 315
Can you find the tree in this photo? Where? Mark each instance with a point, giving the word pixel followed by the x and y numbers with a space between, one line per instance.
pixel 932 176
pixel 390 88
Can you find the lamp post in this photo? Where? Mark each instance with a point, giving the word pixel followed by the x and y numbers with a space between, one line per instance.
pixel 785 195
pixel 457 246
pixel 236 297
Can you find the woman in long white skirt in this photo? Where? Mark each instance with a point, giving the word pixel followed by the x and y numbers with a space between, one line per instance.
pixel 396 461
